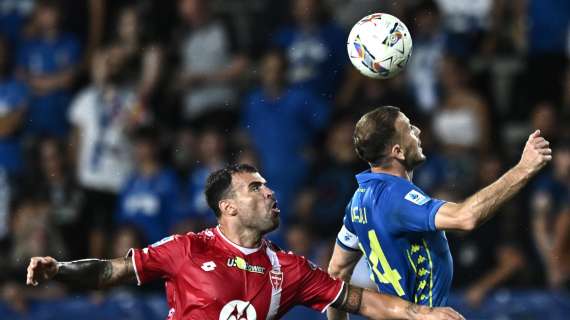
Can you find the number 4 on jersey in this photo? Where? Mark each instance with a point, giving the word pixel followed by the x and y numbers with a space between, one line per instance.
pixel 391 276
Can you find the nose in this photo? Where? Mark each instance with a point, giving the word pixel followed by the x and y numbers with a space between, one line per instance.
pixel 269 193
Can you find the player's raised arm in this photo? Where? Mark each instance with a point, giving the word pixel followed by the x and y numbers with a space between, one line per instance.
pixel 87 273
pixel 482 205
pixel 375 305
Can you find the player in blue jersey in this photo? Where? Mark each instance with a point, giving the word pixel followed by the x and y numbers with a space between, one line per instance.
pixel 399 228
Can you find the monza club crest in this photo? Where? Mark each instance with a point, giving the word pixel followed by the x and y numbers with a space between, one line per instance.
pixel 276 279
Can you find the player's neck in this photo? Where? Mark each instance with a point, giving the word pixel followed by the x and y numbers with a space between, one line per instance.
pixel 394 170
pixel 241 237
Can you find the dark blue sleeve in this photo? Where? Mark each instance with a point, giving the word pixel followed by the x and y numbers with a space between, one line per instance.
pixel 411 210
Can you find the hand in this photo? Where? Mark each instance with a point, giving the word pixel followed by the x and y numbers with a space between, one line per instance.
pixel 427 313
pixel 40 269
pixel 536 153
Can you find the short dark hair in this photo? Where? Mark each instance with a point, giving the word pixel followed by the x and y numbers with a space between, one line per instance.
pixel 219 182
pixel 374 133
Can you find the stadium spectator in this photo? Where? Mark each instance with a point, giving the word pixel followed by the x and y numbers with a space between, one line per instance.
pixel 474 271
pixel 315 48
pixel 13 106
pixel 143 58
pixel 65 198
pixel 334 182
pixel 150 198
pixel 282 123
pixel 547 58
pixel 210 156
pixel 14 102
pixel 102 115
pixel 549 203
pixel 47 60
pixel 461 124
pixel 465 23
pixel 13 17
pixel 429 48
pixel 210 63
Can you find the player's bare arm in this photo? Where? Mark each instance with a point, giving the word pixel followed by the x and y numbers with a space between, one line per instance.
pixel 482 205
pixel 380 306
pixel 341 266
pixel 87 273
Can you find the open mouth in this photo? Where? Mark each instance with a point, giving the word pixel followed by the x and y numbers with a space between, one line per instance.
pixel 275 208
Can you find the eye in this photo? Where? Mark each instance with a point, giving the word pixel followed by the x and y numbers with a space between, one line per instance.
pixel 256 187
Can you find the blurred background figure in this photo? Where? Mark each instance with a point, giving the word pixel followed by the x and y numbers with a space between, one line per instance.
pixel 549 205
pixel 461 123
pixel 14 102
pixel 150 198
pixel 314 46
pixel 210 63
pixel 47 60
pixel 282 122
pixel 56 181
pixel 211 155
pixel 102 116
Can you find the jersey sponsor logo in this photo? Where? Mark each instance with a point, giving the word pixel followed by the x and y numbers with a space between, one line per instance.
pixel 238 310
pixel 208 266
pixel 276 278
pixel 163 241
pixel 241 264
pixel 415 197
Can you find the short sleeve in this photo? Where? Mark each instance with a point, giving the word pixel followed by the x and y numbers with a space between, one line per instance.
pixel 162 259
pixel 347 238
pixel 79 109
pixel 317 289
pixel 412 210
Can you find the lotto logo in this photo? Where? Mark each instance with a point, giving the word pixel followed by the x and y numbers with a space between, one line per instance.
pixel 208 266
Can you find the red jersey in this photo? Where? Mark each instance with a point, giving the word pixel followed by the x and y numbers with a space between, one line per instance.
pixel 209 277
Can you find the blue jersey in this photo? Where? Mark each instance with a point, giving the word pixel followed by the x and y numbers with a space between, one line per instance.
pixel 150 204
pixel 392 222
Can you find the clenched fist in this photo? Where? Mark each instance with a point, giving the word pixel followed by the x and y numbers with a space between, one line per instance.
pixel 41 269
pixel 536 153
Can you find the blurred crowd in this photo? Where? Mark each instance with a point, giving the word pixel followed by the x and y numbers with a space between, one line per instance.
pixel 113 113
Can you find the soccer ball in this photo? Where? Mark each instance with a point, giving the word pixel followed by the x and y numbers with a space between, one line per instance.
pixel 379 46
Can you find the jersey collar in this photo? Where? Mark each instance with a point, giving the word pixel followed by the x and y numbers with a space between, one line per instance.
pixel 368 175
pixel 244 250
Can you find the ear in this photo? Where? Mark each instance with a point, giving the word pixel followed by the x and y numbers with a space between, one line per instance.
pixel 228 207
pixel 397 152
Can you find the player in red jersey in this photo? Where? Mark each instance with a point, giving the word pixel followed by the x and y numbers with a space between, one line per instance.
pixel 230 272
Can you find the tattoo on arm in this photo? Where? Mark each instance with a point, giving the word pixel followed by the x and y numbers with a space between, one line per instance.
pixel 96 273
pixel 350 300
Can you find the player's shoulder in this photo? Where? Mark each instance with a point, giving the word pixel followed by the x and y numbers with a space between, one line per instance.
pixel 289 259
pixel 204 238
